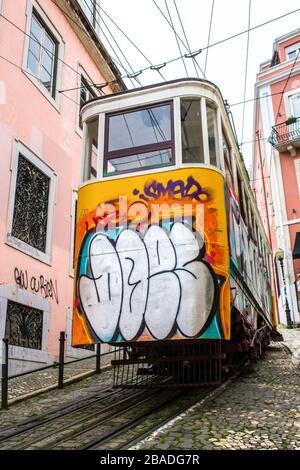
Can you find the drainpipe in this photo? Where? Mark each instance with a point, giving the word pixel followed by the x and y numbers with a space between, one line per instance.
pixel 268 222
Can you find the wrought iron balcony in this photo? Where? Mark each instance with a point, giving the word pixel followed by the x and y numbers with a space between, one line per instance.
pixel 286 136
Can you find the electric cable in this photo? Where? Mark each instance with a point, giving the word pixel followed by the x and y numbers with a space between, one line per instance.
pixel 176 38
pixel 246 70
pixel 185 35
pixel 209 32
pixel 128 38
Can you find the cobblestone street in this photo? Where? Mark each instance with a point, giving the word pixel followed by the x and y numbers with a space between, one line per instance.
pixel 48 401
pixel 260 410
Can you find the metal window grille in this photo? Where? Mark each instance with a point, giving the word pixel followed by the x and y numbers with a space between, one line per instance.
pixel 24 325
pixel 31 205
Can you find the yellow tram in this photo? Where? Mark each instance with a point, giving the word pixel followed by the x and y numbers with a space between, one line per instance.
pixel 171 258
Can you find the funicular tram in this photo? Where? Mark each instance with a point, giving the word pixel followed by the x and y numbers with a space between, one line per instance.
pixel 171 258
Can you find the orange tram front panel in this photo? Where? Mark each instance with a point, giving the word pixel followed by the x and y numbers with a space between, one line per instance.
pixel 152 258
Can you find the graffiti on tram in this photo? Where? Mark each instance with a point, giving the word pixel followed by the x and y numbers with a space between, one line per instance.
pixel 156 266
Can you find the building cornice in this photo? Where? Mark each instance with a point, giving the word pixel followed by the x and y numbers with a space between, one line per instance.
pixel 287 36
pixel 278 77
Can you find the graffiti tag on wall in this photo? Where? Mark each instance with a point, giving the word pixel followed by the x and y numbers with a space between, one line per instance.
pixel 38 285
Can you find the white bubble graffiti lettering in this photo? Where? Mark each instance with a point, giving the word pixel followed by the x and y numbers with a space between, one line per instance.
pixel 157 285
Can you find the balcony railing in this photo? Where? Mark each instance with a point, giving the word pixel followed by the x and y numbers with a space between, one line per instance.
pixel 287 132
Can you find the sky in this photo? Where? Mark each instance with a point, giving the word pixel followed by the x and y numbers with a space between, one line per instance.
pixel 146 27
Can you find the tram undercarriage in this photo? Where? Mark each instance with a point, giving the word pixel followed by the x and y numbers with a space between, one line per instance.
pixel 189 363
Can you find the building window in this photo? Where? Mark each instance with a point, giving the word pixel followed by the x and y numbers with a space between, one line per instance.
pixel 295 104
pixel 297 168
pixel 292 51
pixel 42 54
pixel 86 94
pixel 91 10
pixel 31 204
pixel 24 325
pixel 139 139
pixel 191 132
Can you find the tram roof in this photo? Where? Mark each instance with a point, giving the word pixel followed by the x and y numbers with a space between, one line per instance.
pixel 155 85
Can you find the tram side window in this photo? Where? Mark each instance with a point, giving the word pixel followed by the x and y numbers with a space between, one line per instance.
pixel 191 132
pixel 91 145
pixel 241 197
pixel 212 134
pixel 139 139
pixel 228 167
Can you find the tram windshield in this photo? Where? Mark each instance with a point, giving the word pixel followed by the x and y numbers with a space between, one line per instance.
pixel 138 139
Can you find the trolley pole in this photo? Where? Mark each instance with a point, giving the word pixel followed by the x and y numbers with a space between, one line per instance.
pixel 98 358
pixel 4 378
pixel 61 359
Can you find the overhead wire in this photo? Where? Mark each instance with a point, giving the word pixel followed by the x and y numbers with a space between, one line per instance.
pixel 209 32
pixel 34 76
pixel 191 55
pixel 119 61
pixel 185 35
pixel 257 98
pixel 176 37
pixel 255 140
pixel 158 66
pixel 87 34
pixel 246 70
pixel 285 85
pixel 53 54
pixel 131 42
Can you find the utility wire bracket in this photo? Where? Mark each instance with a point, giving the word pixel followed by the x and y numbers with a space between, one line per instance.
pixel 134 74
pixel 158 67
pixel 101 85
pixel 191 55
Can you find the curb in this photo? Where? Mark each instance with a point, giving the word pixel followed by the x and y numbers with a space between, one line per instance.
pixel 294 360
pixel 71 380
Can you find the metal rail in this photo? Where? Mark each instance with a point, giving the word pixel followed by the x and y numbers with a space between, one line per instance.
pixel 33 424
pixel 59 413
pixel 285 131
pixel 136 420
pixel 103 417
pixel 5 378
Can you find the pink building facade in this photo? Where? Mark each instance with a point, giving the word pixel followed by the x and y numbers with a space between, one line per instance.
pixel 46 47
pixel 275 171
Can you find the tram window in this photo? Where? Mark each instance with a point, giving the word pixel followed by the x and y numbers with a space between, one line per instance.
pixel 241 196
pixel 91 145
pixel 245 206
pixel 212 134
pixel 228 167
pixel 138 139
pixel 252 220
pixel 191 132
pixel 142 160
